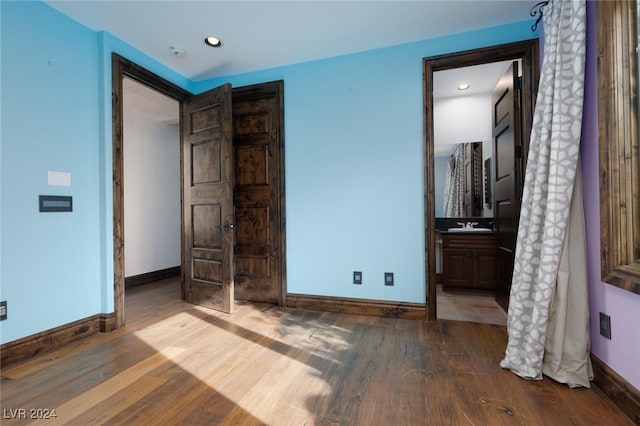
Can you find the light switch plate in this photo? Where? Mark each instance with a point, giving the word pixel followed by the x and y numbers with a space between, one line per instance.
pixel 59 178
pixel 605 325
pixel 388 278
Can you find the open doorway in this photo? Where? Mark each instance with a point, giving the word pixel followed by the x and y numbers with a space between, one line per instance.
pixel 152 191
pixel 526 53
pixel 463 154
pixel 258 142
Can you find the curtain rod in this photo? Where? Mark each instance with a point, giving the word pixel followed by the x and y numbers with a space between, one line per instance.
pixel 537 10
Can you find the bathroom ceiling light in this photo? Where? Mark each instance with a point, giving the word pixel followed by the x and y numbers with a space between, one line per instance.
pixel 213 41
pixel 464 86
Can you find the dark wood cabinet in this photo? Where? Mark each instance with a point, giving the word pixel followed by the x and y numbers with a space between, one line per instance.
pixel 468 261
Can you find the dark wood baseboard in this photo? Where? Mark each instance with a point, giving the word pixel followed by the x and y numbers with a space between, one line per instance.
pixel 107 322
pixel 621 392
pixel 28 347
pixel 150 277
pixel 357 306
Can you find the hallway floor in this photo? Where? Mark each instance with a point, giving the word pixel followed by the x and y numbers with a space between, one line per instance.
pixel 470 307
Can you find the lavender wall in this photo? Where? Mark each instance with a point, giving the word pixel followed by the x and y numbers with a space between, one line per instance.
pixel 622 352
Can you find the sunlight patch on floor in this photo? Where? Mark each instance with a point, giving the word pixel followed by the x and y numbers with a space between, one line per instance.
pixel 203 340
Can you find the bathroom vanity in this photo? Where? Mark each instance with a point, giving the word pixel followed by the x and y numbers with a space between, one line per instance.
pixel 468 259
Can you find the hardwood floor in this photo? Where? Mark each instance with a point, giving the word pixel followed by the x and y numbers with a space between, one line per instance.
pixel 175 363
pixel 470 307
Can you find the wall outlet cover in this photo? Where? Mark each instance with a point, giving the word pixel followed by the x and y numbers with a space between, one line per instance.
pixel 605 325
pixel 357 277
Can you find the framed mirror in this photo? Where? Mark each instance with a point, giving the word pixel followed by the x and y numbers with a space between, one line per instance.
pixel 462 139
pixel 459 181
pixel 619 157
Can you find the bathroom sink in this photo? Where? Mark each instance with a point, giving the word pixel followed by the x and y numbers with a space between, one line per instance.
pixel 470 230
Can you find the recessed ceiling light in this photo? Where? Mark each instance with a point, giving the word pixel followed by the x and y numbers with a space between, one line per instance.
pixel 464 86
pixel 213 41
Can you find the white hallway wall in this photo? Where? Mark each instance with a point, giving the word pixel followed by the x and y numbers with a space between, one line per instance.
pixel 151 186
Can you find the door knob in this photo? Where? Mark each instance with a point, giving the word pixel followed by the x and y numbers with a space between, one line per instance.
pixel 227 226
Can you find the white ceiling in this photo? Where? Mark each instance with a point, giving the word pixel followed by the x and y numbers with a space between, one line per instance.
pixel 162 108
pixel 481 79
pixel 265 34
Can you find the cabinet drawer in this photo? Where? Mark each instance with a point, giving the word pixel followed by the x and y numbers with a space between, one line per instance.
pixel 478 241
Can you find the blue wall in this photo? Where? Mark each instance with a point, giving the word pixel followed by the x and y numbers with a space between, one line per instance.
pixel 56 268
pixel 354 168
pixel 50 266
pixel 354 165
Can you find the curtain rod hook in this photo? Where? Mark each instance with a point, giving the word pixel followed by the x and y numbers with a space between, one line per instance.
pixel 537 10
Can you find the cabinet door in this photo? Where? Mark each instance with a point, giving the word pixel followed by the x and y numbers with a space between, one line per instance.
pixel 457 268
pixel 484 269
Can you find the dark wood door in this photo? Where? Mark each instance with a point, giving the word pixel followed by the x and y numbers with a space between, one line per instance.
pixel 207 193
pixel 507 151
pixel 258 192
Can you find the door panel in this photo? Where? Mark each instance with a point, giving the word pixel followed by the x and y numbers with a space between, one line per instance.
pixel 507 189
pixel 257 144
pixel 485 264
pixel 207 255
pixel 457 268
pixel 252 164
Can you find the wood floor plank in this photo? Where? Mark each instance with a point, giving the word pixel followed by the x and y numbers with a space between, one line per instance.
pixel 296 354
pixel 74 374
pixel 403 372
pixel 176 363
pixel 112 386
pixel 110 406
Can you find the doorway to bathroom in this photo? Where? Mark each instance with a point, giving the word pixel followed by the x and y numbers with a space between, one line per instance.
pixel 505 208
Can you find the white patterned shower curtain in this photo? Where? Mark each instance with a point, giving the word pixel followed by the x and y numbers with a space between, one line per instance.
pixel 548 319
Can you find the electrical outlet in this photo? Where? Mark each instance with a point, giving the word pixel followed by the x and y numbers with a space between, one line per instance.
pixel 3 310
pixel 357 277
pixel 388 278
pixel 605 325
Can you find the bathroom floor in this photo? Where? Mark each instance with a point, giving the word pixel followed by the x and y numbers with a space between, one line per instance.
pixel 469 307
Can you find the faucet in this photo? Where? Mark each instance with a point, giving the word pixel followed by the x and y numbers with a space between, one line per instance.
pixel 467 225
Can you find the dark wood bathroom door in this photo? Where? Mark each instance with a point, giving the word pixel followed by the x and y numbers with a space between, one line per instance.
pixel 507 150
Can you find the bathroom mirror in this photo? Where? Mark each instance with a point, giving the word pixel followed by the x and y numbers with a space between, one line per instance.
pixel 462 117
pixel 459 181
pixel 619 157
